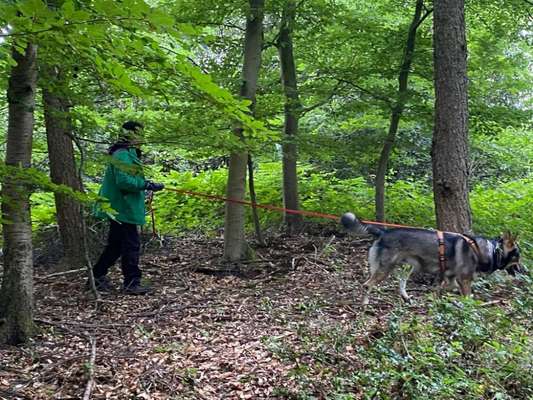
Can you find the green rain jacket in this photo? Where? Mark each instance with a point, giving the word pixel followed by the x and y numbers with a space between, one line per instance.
pixel 124 186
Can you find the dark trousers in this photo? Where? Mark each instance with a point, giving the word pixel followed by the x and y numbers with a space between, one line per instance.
pixel 124 242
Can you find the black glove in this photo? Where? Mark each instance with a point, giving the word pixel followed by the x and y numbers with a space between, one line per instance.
pixel 153 186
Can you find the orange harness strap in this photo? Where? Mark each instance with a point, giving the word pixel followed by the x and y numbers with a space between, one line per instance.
pixel 472 243
pixel 442 248
pixel 442 252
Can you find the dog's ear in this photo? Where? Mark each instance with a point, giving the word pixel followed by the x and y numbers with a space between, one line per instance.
pixel 509 241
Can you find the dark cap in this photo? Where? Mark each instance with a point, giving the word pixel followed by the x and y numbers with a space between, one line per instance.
pixel 132 125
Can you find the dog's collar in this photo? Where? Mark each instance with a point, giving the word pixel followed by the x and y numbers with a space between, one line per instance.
pixel 496 261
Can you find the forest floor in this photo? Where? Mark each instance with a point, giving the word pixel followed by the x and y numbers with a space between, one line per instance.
pixel 206 333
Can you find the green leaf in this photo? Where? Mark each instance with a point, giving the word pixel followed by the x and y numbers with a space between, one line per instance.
pixel 33 8
pixel 68 9
pixel 160 19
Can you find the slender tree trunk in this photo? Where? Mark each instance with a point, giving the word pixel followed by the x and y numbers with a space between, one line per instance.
pixel 253 198
pixel 397 111
pixel 450 136
pixel 16 302
pixel 292 109
pixel 235 245
pixel 63 171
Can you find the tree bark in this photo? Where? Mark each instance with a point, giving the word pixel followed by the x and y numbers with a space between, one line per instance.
pixel 397 111
pixel 16 302
pixel 293 107
pixel 253 199
pixel 63 171
pixel 450 136
pixel 235 246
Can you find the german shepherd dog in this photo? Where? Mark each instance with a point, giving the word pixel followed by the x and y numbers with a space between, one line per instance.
pixel 464 256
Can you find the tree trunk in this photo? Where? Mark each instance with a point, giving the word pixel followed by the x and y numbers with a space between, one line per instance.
pixel 450 136
pixel 253 199
pixel 292 109
pixel 63 171
pixel 397 111
pixel 235 245
pixel 16 302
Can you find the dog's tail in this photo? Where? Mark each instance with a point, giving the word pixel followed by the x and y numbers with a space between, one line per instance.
pixel 352 223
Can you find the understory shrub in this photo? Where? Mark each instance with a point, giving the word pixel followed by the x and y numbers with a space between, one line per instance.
pixel 495 209
pixel 506 206
pixel 460 350
pixel 457 349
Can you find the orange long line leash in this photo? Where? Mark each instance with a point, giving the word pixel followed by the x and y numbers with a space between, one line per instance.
pixel 276 208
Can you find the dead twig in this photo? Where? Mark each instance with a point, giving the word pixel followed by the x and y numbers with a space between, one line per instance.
pixel 62 327
pixel 90 368
pixel 491 303
pixel 73 271
pixel 328 243
pixel 97 326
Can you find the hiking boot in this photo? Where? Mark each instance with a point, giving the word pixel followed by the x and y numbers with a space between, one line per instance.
pixel 135 288
pixel 103 284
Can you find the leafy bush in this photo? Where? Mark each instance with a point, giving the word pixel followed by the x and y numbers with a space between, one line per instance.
pixel 459 351
pixel 505 207
pixel 495 209
pixel 408 202
pixel 176 212
pixel 43 210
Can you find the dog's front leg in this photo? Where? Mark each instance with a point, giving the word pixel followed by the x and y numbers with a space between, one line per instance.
pixel 445 285
pixel 465 285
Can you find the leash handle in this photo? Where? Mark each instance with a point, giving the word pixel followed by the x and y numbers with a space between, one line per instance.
pixel 152 213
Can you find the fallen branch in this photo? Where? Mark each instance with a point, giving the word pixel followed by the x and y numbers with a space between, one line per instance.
pixel 90 367
pixel 325 247
pixel 491 303
pixel 62 327
pixel 73 271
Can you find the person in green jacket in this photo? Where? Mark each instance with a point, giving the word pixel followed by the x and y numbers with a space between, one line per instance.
pixel 124 187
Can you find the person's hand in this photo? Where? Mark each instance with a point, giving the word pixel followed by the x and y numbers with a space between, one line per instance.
pixel 154 186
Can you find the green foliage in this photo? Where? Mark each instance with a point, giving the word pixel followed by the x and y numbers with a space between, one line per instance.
pixel 458 350
pixel 495 209
pixel 501 154
pixel 43 211
pixel 175 212
pixel 505 207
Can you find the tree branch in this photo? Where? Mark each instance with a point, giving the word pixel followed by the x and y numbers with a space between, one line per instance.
pixel 427 14
pixel 305 110
pixel 384 99
pixel 90 367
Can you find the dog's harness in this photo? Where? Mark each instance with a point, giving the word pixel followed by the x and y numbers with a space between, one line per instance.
pixel 442 251
pixel 442 248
